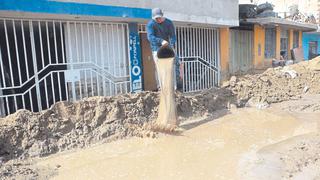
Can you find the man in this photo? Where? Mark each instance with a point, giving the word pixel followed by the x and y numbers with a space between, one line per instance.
pixel 161 32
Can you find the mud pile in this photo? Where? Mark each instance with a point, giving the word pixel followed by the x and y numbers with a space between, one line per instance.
pixel 301 158
pixel 277 84
pixel 69 125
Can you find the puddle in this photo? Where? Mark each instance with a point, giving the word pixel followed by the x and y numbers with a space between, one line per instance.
pixel 209 151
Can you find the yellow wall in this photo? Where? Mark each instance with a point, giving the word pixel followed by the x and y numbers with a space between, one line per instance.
pixel 290 42
pixel 258 43
pixel 278 34
pixel 224 52
pixel 259 61
pixel 300 39
pixel 259 40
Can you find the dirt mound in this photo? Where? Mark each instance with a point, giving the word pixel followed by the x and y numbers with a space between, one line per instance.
pixel 277 84
pixel 98 119
pixel 302 158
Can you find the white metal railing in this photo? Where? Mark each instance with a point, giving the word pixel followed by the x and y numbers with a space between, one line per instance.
pixel 45 61
pixel 198 50
pixel 197 74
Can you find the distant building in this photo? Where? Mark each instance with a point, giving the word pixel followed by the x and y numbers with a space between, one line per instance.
pixel 259 40
pixel 311 44
pixel 276 36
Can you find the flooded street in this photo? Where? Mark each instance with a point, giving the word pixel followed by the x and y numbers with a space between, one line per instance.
pixel 160 90
pixel 274 135
pixel 217 149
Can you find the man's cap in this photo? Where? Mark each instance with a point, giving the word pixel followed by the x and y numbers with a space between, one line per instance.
pixel 156 13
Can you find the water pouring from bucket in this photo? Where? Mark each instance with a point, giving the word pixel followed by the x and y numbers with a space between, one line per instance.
pixel 167 115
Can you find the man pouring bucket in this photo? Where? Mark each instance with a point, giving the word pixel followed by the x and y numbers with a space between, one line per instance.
pixel 161 32
pixel 162 38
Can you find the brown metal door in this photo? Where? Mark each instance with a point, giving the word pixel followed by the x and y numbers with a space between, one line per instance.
pixel 149 80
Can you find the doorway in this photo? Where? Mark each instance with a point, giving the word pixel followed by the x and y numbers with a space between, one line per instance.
pixel 149 79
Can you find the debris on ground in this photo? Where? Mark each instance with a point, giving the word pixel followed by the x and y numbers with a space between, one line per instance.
pixel 277 84
pixel 15 169
pixel 302 157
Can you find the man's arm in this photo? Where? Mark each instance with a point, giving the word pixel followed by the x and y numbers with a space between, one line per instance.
pixel 173 37
pixel 151 35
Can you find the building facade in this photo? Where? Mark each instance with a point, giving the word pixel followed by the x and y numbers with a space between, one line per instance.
pixel 57 50
pixel 258 41
pixel 275 37
pixel 311 45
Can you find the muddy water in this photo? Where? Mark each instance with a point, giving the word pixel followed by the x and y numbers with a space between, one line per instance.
pixel 167 107
pixel 208 151
pixel 306 110
pixel 265 163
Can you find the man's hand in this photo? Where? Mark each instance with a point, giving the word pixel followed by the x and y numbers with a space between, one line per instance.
pixel 164 43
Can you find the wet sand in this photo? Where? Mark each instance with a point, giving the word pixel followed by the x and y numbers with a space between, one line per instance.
pixel 297 157
pixel 213 150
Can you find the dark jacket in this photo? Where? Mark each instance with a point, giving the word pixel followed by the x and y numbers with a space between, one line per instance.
pixel 159 32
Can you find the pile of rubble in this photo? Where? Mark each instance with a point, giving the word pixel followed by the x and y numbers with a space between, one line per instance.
pixel 276 84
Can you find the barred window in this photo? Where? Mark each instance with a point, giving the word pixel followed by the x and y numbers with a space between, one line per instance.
pixel 270 43
pixel 295 39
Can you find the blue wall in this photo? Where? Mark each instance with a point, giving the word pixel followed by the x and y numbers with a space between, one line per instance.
pixel 306 38
pixel 135 58
pixel 70 8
